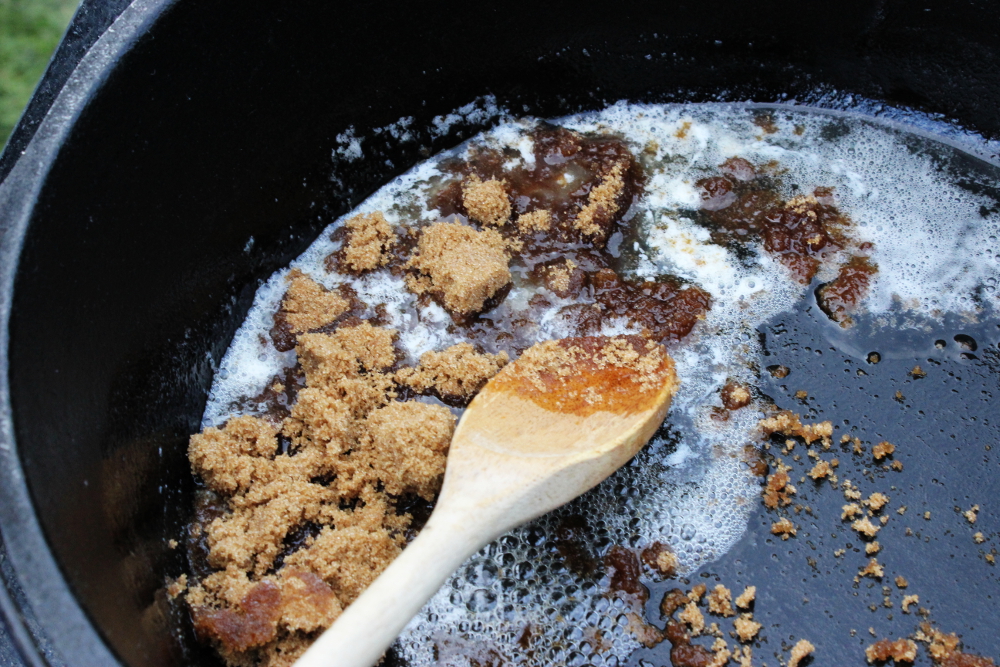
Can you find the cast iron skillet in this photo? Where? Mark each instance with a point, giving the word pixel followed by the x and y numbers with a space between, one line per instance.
pixel 191 154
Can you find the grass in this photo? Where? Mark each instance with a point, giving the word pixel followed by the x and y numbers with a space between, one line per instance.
pixel 30 30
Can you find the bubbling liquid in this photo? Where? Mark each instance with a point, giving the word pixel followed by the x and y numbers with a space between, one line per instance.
pixel 539 595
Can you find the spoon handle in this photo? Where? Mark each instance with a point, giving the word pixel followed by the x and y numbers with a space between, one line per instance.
pixel 361 634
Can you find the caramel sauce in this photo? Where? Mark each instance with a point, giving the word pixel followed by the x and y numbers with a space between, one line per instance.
pixel 743 206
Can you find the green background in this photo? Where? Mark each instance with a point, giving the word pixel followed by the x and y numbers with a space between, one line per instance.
pixel 30 30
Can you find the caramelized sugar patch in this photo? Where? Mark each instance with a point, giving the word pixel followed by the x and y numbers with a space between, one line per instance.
pixel 743 206
pixel 584 375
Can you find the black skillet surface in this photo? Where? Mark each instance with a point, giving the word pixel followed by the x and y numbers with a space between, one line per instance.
pixel 203 125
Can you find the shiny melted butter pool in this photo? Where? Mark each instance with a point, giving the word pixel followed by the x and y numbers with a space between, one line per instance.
pixel 540 595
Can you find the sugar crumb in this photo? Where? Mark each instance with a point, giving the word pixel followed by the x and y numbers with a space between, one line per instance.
pixel 802 649
pixel 486 201
pixel 747 597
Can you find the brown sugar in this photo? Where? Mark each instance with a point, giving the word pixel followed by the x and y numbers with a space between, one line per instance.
pixel 901 650
pixel 865 527
pixel 918 373
pixel 721 653
pixel 667 563
pixel 351 451
pixel 872 548
pixel 369 239
pixel 535 221
pixel 876 501
pixel 177 586
pixel 461 266
pixel 777 491
pixel 720 601
pixel 735 395
pixel 802 649
pixel 882 450
pixel 563 376
pixel 746 628
pixel 308 306
pixel 457 372
pixel 908 600
pixel 971 514
pixel 790 424
pixel 486 201
pixel 783 527
pixel 850 511
pixel 602 204
pixel 821 470
pixel 693 617
pixel 408 443
pixel 747 597
pixel 873 569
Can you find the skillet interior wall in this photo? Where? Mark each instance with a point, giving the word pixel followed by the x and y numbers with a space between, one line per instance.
pixel 218 126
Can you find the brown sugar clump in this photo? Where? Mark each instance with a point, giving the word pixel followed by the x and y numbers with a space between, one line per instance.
pixel 872 548
pixel 349 351
pixel 850 511
pixel 721 653
pixel 464 267
pixel 457 372
pixel 177 586
pixel 802 649
pixel 408 442
pixel 735 395
pixel 660 557
pixel 821 470
pixel 865 527
pixel 746 598
pixel 872 569
pixel 602 204
pixel 746 628
pixel 563 277
pixel 535 221
pixel 901 650
pixel 486 201
pixel 876 501
pixel 308 306
pixel 777 491
pixel 349 448
pixel 369 239
pixel 790 424
pixel 232 458
pixel 720 601
pixel 784 527
pixel 564 375
pixel 882 450
pixel 693 617
pixel 971 514
pixel 918 373
pixel 908 600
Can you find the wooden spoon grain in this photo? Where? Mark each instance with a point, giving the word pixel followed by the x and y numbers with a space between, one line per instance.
pixel 545 429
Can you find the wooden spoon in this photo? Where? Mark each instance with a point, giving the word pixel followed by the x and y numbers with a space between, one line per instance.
pixel 545 429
